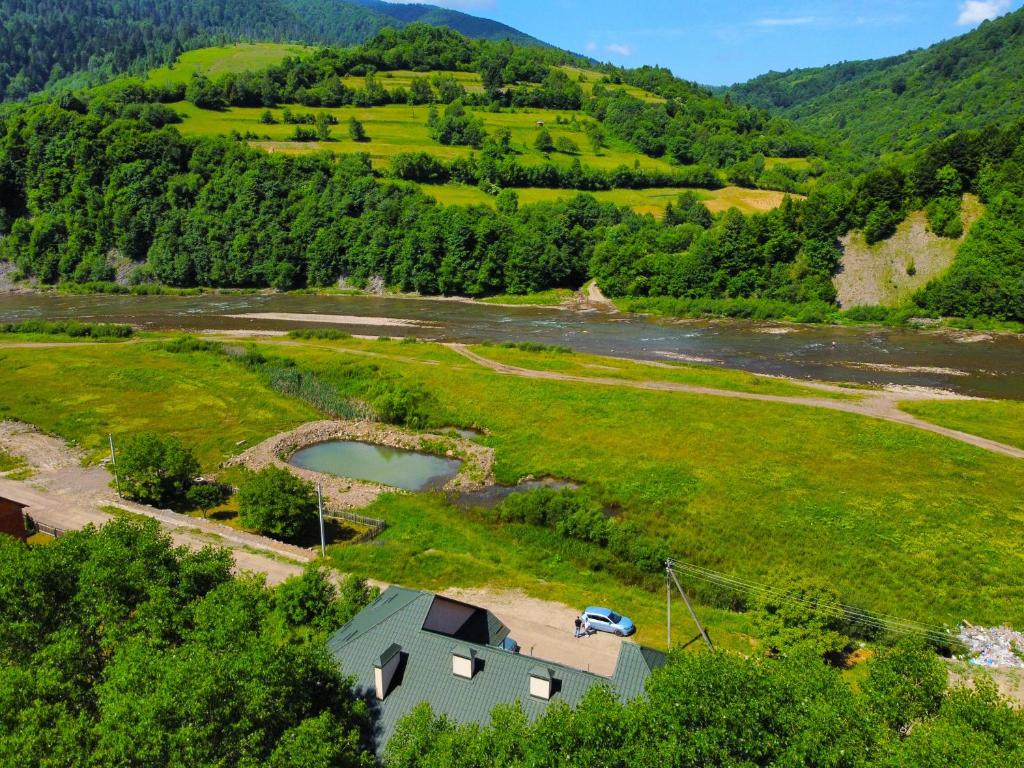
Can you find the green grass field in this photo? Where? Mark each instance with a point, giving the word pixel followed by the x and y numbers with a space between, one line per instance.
pixel 551 297
pixel 596 366
pixel 1000 420
pixel 897 520
pixel 213 62
pixel 400 128
pixel 392 80
pixel 123 388
pixel 652 201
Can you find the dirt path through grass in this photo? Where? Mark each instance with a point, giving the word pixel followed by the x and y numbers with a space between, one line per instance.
pixel 874 404
pixel 64 494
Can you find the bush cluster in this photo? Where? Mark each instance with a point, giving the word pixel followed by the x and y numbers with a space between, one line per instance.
pixel 71 328
pixel 575 515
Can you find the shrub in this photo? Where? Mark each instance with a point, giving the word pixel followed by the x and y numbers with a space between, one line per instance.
pixel 186 344
pixel 356 131
pixel 154 469
pixel 322 334
pixel 543 507
pixel 800 615
pixel 206 496
pixel 532 346
pixel 905 683
pixel 945 217
pixel 71 328
pixel 276 502
pixel 312 599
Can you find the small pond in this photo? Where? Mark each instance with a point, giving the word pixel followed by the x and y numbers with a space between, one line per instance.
pixel 395 467
pixel 493 495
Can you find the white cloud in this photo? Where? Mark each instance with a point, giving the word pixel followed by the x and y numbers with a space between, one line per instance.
pixel 591 46
pixel 619 48
pixel 785 22
pixel 976 11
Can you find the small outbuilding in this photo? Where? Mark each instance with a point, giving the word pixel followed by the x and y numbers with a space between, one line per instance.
pixel 12 518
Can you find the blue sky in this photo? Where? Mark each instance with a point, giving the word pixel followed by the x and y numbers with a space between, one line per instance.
pixel 727 41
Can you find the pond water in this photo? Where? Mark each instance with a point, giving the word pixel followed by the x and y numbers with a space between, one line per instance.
pixel 974 364
pixel 493 495
pixel 408 470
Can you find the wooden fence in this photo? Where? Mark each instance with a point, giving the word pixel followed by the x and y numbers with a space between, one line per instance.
pixel 373 526
pixel 49 530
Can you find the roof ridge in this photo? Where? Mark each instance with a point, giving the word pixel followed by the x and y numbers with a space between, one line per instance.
pixel 341 644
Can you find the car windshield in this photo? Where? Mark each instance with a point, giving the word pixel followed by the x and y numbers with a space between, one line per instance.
pixel 614 618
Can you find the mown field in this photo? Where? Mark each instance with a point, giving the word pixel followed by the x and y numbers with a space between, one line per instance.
pixel 897 520
pixel 219 60
pixel 652 201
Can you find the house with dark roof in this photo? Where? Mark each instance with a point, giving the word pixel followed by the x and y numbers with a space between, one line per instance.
pixel 408 647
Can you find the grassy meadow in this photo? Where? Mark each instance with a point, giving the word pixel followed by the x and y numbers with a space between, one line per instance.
pixel 596 366
pixel 220 60
pixel 897 520
pixel 397 128
pixel 82 392
pixel 999 420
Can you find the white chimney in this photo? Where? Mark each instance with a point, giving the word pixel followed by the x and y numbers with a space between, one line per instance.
pixel 463 662
pixel 541 683
pixel 384 670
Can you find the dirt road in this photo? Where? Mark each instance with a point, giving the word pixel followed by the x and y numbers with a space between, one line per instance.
pixel 66 495
pixel 874 404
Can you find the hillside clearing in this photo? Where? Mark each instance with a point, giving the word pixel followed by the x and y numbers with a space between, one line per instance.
pixel 889 272
pixel 216 61
pixel 652 201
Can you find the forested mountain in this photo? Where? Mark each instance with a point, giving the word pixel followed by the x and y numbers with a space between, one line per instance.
pixel 42 41
pixel 471 26
pixel 905 102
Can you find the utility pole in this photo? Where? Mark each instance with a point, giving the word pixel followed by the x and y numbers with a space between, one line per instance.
pixel 320 508
pixel 670 573
pixel 668 605
pixel 113 462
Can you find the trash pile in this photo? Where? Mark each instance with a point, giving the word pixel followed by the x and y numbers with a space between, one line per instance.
pixel 993 646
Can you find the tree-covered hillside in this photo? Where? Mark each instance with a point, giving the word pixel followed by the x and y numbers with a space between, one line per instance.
pixel 42 41
pixel 905 102
pixel 471 26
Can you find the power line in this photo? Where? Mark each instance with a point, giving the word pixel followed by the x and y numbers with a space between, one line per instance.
pixel 853 613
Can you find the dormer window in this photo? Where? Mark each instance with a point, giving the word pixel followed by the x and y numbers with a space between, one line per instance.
pixel 463 662
pixel 541 683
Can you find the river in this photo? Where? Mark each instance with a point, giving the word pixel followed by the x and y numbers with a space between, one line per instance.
pixel 986 365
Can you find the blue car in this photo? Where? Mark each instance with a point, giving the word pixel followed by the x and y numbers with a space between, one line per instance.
pixel 607 620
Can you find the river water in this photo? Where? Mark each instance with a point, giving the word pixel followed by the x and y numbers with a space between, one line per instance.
pixel 970 363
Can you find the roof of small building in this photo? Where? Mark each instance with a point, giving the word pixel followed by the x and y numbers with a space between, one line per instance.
pixel 414 620
pixel 4 499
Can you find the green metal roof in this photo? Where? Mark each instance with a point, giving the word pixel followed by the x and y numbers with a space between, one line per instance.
pixel 397 617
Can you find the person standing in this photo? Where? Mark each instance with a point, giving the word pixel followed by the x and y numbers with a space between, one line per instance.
pixel 587 628
pixel 579 624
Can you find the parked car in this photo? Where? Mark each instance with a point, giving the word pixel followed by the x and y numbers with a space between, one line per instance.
pixel 510 645
pixel 607 620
